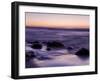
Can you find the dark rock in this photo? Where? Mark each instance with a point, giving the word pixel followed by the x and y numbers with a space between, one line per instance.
pixel 83 53
pixel 37 46
pixel 70 48
pixel 48 49
pixel 30 55
pixel 55 44
pixel 44 42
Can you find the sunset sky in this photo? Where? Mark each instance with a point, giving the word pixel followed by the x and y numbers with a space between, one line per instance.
pixel 56 20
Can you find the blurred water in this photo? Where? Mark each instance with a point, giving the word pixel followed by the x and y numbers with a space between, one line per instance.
pixel 76 38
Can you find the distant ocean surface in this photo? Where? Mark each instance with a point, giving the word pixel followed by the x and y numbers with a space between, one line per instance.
pixel 75 38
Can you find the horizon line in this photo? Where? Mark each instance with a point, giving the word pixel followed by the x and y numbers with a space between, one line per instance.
pixel 53 28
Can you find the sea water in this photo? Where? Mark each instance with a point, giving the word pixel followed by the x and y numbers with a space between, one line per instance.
pixel 74 38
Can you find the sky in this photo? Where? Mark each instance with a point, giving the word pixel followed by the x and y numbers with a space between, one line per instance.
pixel 48 20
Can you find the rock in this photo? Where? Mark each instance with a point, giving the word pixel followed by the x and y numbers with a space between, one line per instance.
pixel 83 53
pixel 70 48
pixel 30 55
pixel 37 46
pixel 44 42
pixel 48 49
pixel 35 42
pixel 55 44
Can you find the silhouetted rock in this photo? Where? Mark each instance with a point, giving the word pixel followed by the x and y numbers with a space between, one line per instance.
pixel 37 46
pixel 44 42
pixel 35 42
pixel 48 49
pixel 30 55
pixel 55 44
pixel 83 53
pixel 70 48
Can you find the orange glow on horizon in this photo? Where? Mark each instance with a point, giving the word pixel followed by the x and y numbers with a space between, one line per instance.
pixel 57 20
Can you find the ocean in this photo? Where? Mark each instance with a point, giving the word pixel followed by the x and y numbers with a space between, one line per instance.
pixel 71 39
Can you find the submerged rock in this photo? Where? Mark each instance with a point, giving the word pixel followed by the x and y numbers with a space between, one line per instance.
pixel 83 53
pixel 70 48
pixel 44 58
pixel 55 44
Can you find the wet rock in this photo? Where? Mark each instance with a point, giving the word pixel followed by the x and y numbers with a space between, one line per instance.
pixel 48 49
pixel 55 44
pixel 44 42
pixel 70 48
pixel 35 42
pixel 30 55
pixel 83 53
pixel 36 46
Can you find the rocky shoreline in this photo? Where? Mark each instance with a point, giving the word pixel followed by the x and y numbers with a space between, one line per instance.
pixel 49 51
